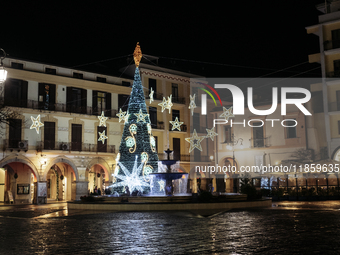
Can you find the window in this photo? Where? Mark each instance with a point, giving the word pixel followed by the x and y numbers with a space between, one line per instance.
pixel 14 135
pixel 49 135
pixel 100 146
pixel 258 136
pixel 50 71
pixel 17 65
pixel 153 85
pixel 101 101
pixel 76 100
pixel 76 137
pixel 227 134
pixel 78 75
pixel 46 96
pixel 101 79
pixel 153 116
pixel 123 102
pixel 175 113
pixel 16 92
pixel 337 100
pixel 290 131
pixel 176 148
pixel 336 64
pixel 339 127
pixel 335 38
pixel 174 90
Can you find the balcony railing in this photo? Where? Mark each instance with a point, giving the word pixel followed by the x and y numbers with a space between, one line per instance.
pixel 73 146
pixel 335 74
pixel 13 144
pixel 32 104
pixel 178 100
pixel 183 157
pixel 259 143
pixel 333 44
pixel 159 125
pixel 334 106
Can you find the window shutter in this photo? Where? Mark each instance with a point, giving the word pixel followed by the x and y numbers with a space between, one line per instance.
pixel 108 104
pixel 84 101
pixel 68 99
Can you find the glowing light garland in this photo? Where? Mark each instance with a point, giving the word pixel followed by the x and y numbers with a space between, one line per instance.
pixel 151 95
pixel 176 124
pixel 211 134
pixel 192 140
pixel 141 116
pixel 102 137
pixel 227 113
pixel 121 115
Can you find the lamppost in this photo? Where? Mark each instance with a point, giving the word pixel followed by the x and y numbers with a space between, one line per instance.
pixel 3 72
pixel 233 142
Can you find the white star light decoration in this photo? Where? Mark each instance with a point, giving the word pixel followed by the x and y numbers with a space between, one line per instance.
pixel 192 104
pixel 166 104
pixel 133 180
pixel 192 140
pixel 36 124
pixel 161 185
pixel 227 113
pixel 102 120
pixel 102 137
pixel 141 116
pixel 211 134
pixel 121 115
pixel 151 95
pixel 126 117
pixel 176 124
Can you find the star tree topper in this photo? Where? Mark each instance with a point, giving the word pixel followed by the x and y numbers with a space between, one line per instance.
pixel 36 123
pixel 176 124
pixel 227 113
pixel 192 140
pixel 102 137
pixel 192 104
pixel 102 120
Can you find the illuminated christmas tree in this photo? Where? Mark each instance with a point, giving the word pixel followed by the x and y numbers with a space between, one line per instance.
pixel 137 156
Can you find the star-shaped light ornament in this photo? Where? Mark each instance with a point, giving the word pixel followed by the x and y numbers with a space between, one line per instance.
pixel 36 123
pixel 211 134
pixel 163 104
pixel 192 142
pixel 169 103
pixel 161 185
pixel 102 120
pixel 141 116
pixel 133 180
pixel 102 137
pixel 227 113
pixel 176 124
pixel 151 95
pixel 121 115
pixel 192 104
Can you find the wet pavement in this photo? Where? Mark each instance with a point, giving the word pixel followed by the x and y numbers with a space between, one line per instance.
pixel 285 228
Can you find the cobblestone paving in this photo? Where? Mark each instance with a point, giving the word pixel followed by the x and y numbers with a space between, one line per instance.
pixel 262 231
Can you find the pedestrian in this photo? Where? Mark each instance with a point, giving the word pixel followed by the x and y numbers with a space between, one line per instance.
pixel 99 192
pixel 95 190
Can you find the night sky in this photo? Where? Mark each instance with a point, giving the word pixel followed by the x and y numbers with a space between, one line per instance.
pixel 242 39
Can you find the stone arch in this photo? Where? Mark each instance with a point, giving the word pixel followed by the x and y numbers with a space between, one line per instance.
pixel 102 163
pixel 22 159
pixel 60 160
pixel 335 153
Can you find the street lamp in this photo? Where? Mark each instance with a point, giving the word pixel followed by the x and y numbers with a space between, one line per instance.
pixel 3 72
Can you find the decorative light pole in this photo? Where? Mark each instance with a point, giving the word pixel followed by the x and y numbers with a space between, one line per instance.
pixel 3 72
pixel 233 142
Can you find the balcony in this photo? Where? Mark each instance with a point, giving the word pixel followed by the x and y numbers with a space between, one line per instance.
pixel 330 45
pixel 334 106
pixel 72 146
pixel 184 128
pixel 178 100
pixel 15 145
pixel 32 104
pixel 159 125
pixel 183 157
pixel 335 74
pixel 259 143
